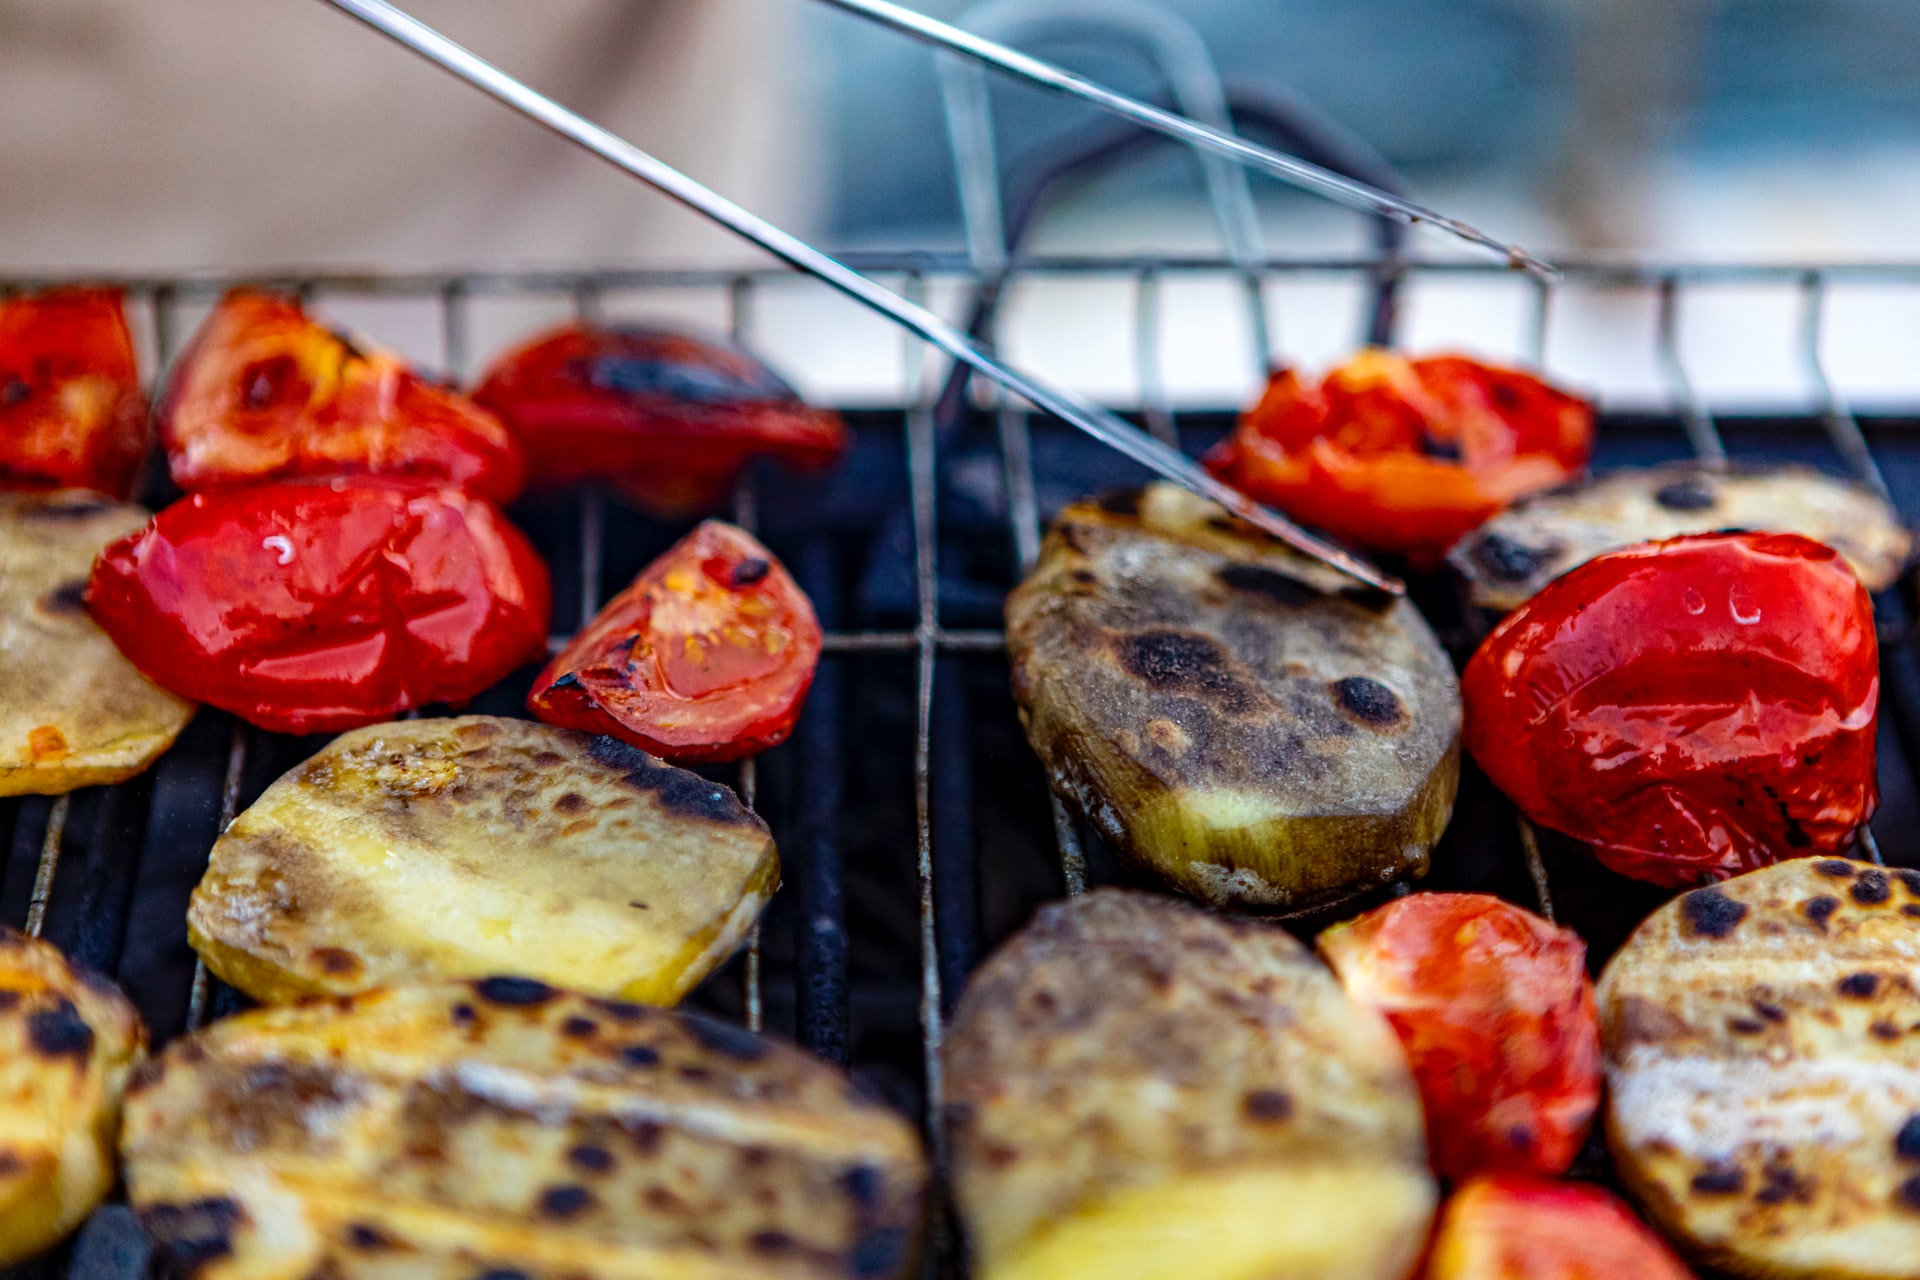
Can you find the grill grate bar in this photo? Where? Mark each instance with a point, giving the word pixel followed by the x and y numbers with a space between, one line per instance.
pixel 1701 432
pixel 49 863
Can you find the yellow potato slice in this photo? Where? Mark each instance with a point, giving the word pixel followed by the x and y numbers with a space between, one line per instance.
pixel 476 845
pixel 502 1128
pixel 73 712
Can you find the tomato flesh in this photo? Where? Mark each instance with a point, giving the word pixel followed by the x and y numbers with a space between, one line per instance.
pixel 264 393
pixel 316 606
pixel 707 656
pixel 1504 1227
pixel 1691 709
pixel 1496 1012
pixel 668 419
pixel 72 415
pixel 1404 455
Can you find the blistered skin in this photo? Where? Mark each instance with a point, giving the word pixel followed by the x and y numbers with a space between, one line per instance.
pixel 1507 1227
pixel 266 393
pixel 707 656
pixel 666 417
pixel 1496 1012
pixel 72 415
pixel 306 607
pixel 1691 708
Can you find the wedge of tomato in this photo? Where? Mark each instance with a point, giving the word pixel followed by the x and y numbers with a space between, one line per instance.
pixel 707 656
pixel 667 418
pixel 265 392
pixel 1403 455
pixel 317 606
pixel 1496 1012
pixel 72 415
pixel 1519 1228
pixel 1691 709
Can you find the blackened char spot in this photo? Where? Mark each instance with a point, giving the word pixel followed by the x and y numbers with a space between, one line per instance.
pixel 1906 1143
pixel 1820 908
pixel 1779 1184
pixel 1504 560
pixel 1838 868
pixel 1267 1105
pixel 514 991
pixel 1719 1180
pixel 367 1238
pixel 1691 494
pixel 679 792
pixel 1271 583
pixel 749 571
pixel 1770 1011
pixel 1908 1194
pixel 60 1031
pixel 1367 701
pixel 1445 450
pixel 196 1233
pixel 1183 662
pixel 1870 887
pixel 67 509
pixel 67 600
pixel 1746 1026
pixel 1372 599
pixel 1120 502
pixel 14 392
pixel 563 1202
pixel 863 1187
pixel 879 1252
pixel 578 1028
pixel 502 1273
pixel 1711 913
pixel 620 1010
pixel 590 1159
pixel 640 1055
pixel 1797 837
pixel 770 1242
pixel 724 1038
pixel 1859 986
pixel 1910 878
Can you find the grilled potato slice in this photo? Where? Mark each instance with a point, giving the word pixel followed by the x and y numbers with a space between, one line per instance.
pixel 1763 1067
pixel 1140 1090
pixel 68 1041
pixel 1519 551
pixel 1227 712
pixel 73 712
pixel 502 1128
pixel 469 846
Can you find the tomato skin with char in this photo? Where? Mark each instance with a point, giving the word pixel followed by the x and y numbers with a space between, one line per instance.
pixel 1506 1227
pixel 707 656
pixel 319 606
pixel 1496 1012
pixel 264 392
pixel 72 415
pixel 1691 709
pixel 668 419
pixel 1403 455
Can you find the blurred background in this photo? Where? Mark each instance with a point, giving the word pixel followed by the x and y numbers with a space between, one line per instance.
pixel 250 134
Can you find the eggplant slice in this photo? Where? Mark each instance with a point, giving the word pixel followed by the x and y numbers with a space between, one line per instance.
pixel 1228 713
pixel 1519 551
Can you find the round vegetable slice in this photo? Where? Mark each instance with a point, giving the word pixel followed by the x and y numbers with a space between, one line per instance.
pixel 319 606
pixel 707 656
pixel 1496 1012
pixel 1690 708
pixel 71 411
pixel 1505 1227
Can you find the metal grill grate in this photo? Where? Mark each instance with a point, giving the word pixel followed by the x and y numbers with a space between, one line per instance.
pixel 902 864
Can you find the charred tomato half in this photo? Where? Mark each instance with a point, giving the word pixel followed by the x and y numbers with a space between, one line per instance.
pixel 72 415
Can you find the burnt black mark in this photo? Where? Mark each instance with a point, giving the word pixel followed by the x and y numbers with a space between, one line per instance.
pixel 1372 599
pixel 1368 701
pixel 724 1038
pixel 1120 502
pixel 1779 1184
pixel 1884 1030
pixel 1745 1026
pixel 1178 661
pixel 1838 868
pixel 693 1074
pixel 640 1055
pixel 60 1031
pixel 678 792
pixel 646 1136
pixel 502 1273
pixel 1711 913
pixel 464 1015
pixel 571 803
pixel 1692 494
pixel 1271 584
pixel 1797 837
pixel 1504 560
pixel 879 1252
pixel 1719 1180
pixel 68 600
pixel 863 1184
pixel 590 1159
pixel 10 1000
pixel 770 1242
pixel 1908 1193
pixel 578 1028
pixel 620 1010
pixel 1445 450
pixel 1267 1106
pixel 1906 1143
pixel 522 992
pixel 749 571
pixel 1910 878
pixel 1819 909
pixel 336 961
pixel 1770 1011
pixel 563 1202
pixel 14 392
pixel 366 1238
pixel 1871 888
pixel 194 1234
pixel 67 509
pixel 1858 986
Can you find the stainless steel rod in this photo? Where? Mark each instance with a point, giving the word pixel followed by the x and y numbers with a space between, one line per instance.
pixel 1066 405
pixel 1292 169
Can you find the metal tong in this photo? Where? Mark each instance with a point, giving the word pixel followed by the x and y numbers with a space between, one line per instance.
pixel 1069 406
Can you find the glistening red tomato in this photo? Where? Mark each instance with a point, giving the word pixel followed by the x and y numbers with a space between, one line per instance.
pixel 1496 1012
pixel 266 393
pixel 1404 455
pixel 1692 709
pixel 667 418
pixel 71 412
pixel 707 656
pixel 317 606
pixel 1516 1228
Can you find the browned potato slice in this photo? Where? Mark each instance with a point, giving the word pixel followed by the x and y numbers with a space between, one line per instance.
pixel 502 1128
pixel 1227 712
pixel 1763 1070
pixel 455 848
pixel 1139 1090
pixel 68 1041
pixel 1520 550
pixel 73 712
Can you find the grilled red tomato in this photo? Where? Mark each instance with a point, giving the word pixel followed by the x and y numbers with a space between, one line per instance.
pixel 1502 1227
pixel 667 418
pixel 1496 1012
pixel 315 606
pixel 1404 455
pixel 1692 708
pixel 707 656
pixel 71 412
pixel 266 393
